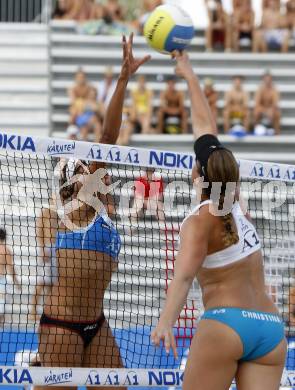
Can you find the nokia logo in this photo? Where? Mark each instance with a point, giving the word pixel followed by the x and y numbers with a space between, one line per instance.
pixel 170 160
pixel 16 142
pixel 15 376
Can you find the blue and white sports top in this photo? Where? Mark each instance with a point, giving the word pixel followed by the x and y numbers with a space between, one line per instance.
pixel 100 236
pixel 248 240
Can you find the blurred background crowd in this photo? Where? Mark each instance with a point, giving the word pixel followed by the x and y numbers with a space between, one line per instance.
pixel 89 101
pixel 226 30
pixel 144 113
pixel 110 17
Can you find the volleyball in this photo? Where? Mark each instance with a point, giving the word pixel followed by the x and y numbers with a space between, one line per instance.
pixel 169 28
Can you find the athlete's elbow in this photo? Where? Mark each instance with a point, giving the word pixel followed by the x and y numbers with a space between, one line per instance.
pixel 185 279
pixel 205 129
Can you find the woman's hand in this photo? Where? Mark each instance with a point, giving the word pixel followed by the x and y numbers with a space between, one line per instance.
pixel 183 67
pixel 130 64
pixel 164 332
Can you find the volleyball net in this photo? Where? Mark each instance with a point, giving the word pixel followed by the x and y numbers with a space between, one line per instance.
pixel 148 193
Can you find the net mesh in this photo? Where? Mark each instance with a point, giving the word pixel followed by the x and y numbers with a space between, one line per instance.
pixel 133 299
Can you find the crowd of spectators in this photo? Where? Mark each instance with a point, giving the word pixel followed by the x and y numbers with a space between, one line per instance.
pixel 238 118
pixel 145 113
pixel 104 17
pixel 231 31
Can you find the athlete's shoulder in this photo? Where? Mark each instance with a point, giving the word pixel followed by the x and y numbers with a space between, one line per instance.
pixel 198 219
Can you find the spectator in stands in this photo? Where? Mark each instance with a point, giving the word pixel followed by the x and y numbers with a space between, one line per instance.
pixel 142 104
pixel 148 7
pixel 85 111
pixel 218 31
pixel 236 111
pixel 106 87
pixel 292 306
pixel 237 4
pixel 172 116
pixel 114 11
pixel 79 10
pixel 212 96
pixel 89 117
pixel 8 278
pixel 73 132
pixel 243 24
pixel 266 3
pixel 46 229
pixel 273 33
pixel 79 92
pixel 290 8
pixel 63 9
pixel 148 196
pixel 267 113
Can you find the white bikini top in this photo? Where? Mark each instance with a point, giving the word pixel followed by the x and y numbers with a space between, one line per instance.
pixel 248 240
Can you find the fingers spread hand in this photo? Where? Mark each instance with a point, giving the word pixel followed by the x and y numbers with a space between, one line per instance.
pixel 124 45
pixel 173 345
pixel 167 343
pixel 144 60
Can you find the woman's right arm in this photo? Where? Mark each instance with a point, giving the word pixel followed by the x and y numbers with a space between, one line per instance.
pixel 202 118
pixel 187 265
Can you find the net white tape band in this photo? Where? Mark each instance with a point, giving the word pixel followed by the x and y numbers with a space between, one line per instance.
pixel 107 377
pixel 133 156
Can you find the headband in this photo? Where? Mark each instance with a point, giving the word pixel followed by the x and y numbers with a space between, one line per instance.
pixel 204 147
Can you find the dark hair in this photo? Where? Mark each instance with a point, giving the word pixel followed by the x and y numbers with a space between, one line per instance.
pixel 171 77
pixel 238 76
pixel 223 168
pixel 2 234
pixel 67 191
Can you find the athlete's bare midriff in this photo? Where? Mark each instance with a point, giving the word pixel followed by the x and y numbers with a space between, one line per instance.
pixel 237 285
pixel 83 278
pixel 268 98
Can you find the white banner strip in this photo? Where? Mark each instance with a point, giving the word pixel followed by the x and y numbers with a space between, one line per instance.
pixel 133 156
pixel 107 377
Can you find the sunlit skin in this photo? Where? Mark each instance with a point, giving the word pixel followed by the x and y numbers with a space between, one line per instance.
pixel 267 101
pixel 84 275
pixel 216 348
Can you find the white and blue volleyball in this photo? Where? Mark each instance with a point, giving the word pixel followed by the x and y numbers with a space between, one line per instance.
pixel 169 28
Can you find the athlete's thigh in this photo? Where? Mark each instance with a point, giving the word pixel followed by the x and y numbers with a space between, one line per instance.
pixel 103 352
pixel 212 361
pixel 60 348
pixel 263 373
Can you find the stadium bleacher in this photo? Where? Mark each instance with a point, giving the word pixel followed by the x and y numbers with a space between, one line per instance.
pixel 24 70
pixel 29 55
pixel 71 50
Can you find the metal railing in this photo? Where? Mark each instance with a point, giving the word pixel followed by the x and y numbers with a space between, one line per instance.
pixel 26 11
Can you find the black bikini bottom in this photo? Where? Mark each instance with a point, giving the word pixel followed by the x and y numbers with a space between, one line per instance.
pixel 87 330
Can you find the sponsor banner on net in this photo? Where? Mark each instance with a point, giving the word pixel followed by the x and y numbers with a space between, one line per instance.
pixel 133 156
pixel 89 377
pixel 65 377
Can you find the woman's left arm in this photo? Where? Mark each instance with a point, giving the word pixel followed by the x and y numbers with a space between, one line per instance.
pixel 193 250
pixel 113 117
